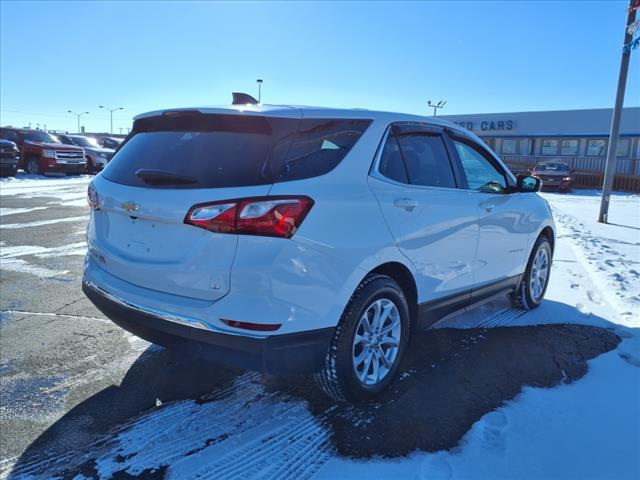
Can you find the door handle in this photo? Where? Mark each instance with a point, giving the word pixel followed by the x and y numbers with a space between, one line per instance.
pixel 407 203
pixel 488 206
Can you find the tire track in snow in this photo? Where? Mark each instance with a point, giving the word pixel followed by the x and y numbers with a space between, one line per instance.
pixel 237 431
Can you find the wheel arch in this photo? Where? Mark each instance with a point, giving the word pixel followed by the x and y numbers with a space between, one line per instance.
pixel 548 232
pixel 404 277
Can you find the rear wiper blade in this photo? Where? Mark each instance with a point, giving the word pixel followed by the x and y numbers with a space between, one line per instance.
pixel 163 177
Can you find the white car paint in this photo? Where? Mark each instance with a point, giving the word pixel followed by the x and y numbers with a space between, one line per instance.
pixel 450 242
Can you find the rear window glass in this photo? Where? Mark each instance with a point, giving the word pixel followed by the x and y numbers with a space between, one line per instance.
pixel 211 151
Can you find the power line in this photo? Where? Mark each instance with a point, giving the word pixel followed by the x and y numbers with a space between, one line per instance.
pixel 40 114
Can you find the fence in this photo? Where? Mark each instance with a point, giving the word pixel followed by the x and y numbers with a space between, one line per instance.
pixel 588 171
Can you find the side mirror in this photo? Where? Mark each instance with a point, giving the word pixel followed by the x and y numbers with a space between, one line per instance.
pixel 528 183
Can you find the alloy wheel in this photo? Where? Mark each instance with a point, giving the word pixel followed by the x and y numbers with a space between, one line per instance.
pixel 376 341
pixel 539 273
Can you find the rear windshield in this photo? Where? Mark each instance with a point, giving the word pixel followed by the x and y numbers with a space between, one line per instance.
pixel 213 151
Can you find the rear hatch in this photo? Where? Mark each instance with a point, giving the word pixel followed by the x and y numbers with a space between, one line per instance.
pixel 168 164
pixel 178 159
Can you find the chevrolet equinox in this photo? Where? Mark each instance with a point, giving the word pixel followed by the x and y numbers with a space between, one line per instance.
pixel 306 240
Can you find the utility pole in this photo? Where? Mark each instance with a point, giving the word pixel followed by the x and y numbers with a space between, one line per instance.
pixel 78 115
pixel 111 110
pixel 259 82
pixel 436 106
pixel 612 160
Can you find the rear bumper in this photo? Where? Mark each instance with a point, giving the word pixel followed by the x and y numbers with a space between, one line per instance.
pixel 288 354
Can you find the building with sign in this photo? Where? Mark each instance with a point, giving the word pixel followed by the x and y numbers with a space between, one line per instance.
pixel 563 133
pixel 577 137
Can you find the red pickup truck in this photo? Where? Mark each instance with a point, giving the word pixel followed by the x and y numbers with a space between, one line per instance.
pixel 41 152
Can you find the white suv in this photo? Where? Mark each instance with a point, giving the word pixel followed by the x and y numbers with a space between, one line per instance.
pixel 290 240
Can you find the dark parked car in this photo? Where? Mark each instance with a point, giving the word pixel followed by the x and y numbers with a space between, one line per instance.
pixel 554 175
pixel 110 142
pixel 9 158
pixel 41 152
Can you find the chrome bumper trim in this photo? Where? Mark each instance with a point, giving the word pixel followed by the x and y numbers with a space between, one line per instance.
pixel 161 314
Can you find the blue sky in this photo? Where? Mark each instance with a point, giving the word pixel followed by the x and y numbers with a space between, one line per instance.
pixel 479 56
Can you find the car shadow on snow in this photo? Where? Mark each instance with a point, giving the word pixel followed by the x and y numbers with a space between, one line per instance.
pixel 449 379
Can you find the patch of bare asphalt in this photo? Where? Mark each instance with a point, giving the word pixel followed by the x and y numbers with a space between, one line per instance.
pixel 450 378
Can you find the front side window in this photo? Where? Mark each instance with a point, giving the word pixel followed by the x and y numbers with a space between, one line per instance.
pixel 569 147
pixel 481 174
pixel 595 147
pixel 509 146
pixel 549 146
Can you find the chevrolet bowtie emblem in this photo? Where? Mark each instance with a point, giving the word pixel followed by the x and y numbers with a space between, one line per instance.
pixel 130 206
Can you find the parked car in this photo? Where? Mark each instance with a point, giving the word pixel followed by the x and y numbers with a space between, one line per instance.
pixel 110 142
pixel 291 240
pixel 9 158
pixel 41 152
pixel 554 175
pixel 96 156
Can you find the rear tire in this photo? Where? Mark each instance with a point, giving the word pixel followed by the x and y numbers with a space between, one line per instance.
pixel 369 342
pixel 530 292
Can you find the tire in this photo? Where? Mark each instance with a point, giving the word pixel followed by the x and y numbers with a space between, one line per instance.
pixel 342 376
pixel 33 166
pixel 529 294
pixel 90 167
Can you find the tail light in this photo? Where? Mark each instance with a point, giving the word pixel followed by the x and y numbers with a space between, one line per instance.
pixel 267 216
pixel 92 198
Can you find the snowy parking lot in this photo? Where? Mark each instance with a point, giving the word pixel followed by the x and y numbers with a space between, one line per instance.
pixel 491 393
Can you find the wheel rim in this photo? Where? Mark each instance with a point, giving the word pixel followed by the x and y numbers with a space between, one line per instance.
pixel 376 341
pixel 539 273
pixel 32 166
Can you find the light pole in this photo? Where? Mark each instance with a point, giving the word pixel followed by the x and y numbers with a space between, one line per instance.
pixel 612 158
pixel 78 115
pixel 436 106
pixel 111 110
pixel 259 82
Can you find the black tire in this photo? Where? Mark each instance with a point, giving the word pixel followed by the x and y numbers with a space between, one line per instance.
pixel 338 378
pixel 90 167
pixel 523 297
pixel 33 166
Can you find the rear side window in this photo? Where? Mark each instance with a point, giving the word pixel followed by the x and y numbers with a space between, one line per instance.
pixel 417 159
pixel 318 147
pixel 213 151
pixel 391 163
pixel 427 160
